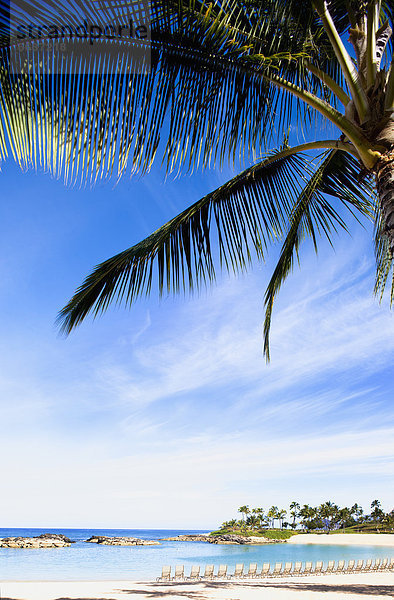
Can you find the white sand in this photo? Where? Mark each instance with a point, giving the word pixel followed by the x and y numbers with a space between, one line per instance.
pixel 351 587
pixel 344 539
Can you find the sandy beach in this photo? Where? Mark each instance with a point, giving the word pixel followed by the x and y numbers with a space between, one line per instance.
pixel 316 587
pixel 331 587
pixel 345 539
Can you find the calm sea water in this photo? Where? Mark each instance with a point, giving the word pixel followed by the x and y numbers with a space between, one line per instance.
pixel 84 561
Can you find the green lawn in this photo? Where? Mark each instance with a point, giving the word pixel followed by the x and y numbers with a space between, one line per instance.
pixel 272 534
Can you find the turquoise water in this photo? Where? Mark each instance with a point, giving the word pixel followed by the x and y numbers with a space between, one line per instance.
pixel 84 561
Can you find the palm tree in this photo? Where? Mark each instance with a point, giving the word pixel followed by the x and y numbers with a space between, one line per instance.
pixel 388 520
pixel 377 513
pixel 259 513
pixel 357 511
pixel 272 514
pixel 281 515
pixel 244 510
pixel 328 511
pixel 294 511
pixel 252 521
pixel 308 515
pixel 345 517
pixel 225 77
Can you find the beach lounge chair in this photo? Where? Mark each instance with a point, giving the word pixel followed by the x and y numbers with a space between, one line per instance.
pixel 165 574
pixel 384 564
pixel 308 568
pixel 318 567
pixel 179 573
pixel 265 571
pixel 330 567
pixel 391 565
pixel 238 572
pixel 222 571
pixel 297 568
pixel 359 566
pixel 252 572
pixel 277 570
pixel 208 573
pixel 376 564
pixel 288 568
pixel 350 566
pixel 341 567
pixel 194 573
pixel 368 565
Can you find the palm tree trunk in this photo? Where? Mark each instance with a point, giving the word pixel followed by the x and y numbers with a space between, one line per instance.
pixel 385 187
pixel 385 183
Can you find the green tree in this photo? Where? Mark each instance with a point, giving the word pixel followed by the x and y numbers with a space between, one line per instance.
pixel 357 511
pixel 259 513
pixel 294 512
pixel 388 520
pixel 224 78
pixel 281 514
pixel 272 514
pixel 344 517
pixel 329 513
pixel 377 514
pixel 244 510
pixel 309 516
pixel 252 521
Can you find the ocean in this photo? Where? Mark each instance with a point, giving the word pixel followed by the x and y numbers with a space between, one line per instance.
pixel 92 562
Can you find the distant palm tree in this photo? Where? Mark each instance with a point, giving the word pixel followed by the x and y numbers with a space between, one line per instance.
pixel 281 514
pixel 388 520
pixel 244 510
pixel 345 517
pixel 377 513
pixel 225 77
pixel 259 512
pixel 328 511
pixel 272 514
pixel 308 514
pixel 294 511
pixel 252 521
pixel 357 510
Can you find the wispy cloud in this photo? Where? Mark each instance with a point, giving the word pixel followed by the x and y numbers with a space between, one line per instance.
pixel 179 410
pixel 329 346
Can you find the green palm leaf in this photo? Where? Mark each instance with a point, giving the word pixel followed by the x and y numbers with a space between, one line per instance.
pixel 339 176
pixel 384 262
pixel 247 213
pixel 205 99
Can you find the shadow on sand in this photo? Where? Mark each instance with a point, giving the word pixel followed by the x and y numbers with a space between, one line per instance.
pixel 161 590
pixel 176 589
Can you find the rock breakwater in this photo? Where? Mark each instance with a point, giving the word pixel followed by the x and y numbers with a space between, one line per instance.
pixel 190 537
pixel 45 540
pixel 230 538
pixel 227 538
pixel 120 541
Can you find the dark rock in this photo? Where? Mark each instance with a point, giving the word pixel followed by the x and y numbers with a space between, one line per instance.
pixel 190 537
pixel 120 541
pixel 55 536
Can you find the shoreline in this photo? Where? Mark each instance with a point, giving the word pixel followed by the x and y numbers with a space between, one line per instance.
pixel 344 539
pixel 353 587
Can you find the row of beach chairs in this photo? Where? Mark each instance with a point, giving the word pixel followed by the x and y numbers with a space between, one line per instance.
pixel 278 570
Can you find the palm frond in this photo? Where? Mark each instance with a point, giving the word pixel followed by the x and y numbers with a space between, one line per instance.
pixel 384 262
pixel 339 176
pixel 200 100
pixel 244 216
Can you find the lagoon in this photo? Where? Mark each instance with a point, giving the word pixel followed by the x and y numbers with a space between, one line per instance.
pixel 92 562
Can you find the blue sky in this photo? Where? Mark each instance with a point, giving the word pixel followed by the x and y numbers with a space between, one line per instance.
pixel 168 416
